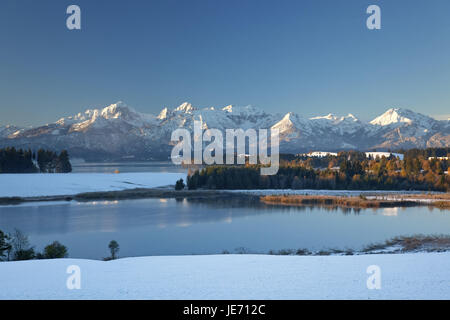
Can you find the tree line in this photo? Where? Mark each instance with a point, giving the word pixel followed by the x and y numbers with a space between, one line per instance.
pixel 14 160
pixel 425 153
pixel 15 246
pixel 348 170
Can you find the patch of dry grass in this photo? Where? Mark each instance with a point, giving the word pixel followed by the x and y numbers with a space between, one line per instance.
pixel 359 202
pixel 428 196
pixel 413 243
pixel 441 204
pixel 349 202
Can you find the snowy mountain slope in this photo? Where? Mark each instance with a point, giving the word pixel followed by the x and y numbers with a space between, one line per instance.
pixel 325 132
pixel 113 132
pixel 397 116
pixel 348 124
pixel 404 128
pixel 7 130
pixel 120 132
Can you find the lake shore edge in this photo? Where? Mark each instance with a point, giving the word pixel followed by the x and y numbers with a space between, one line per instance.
pixel 128 194
pixel 380 200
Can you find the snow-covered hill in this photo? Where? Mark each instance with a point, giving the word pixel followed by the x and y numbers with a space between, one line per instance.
pixel 403 276
pixel 120 132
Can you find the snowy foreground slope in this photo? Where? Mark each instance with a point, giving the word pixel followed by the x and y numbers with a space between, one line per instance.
pixel 41 184
pixel 403 276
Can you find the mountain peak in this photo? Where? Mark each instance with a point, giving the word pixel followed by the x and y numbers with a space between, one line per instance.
pixel 329 116
pixel 185 107
pixel 228 108
pixel 288 116
pixel 397 115
pixel 115 110
pixel 285 123
pixel 349 118
pixel 163 114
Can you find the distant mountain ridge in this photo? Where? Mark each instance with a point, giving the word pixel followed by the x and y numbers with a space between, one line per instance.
pixel 120 132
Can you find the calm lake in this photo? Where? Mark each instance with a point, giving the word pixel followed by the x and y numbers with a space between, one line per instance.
pixel 170 227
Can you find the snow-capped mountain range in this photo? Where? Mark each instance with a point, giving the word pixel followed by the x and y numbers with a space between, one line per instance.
pixel 120 132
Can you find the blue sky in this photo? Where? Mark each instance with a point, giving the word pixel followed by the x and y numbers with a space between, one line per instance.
pixel 311 57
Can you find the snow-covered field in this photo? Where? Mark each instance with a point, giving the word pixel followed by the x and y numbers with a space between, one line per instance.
pixel 40 184
pixel 56 184
pixel 403 276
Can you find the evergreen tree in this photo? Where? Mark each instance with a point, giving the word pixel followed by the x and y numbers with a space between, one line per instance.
pixel 114 248
pixel 63 164
pixel 179 185
pixel 16 161
pixel 54 250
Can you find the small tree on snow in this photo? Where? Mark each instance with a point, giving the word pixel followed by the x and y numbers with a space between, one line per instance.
pixel 114 248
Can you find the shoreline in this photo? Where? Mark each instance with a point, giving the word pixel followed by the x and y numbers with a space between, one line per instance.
pixel 127 194
pixel 361 202
pixel 378 198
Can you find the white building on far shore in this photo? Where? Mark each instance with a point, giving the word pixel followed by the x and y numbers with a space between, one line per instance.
pixel 375 154
pixel 318 154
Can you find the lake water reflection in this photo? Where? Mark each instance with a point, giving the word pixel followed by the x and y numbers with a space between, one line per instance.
pixel 170 226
